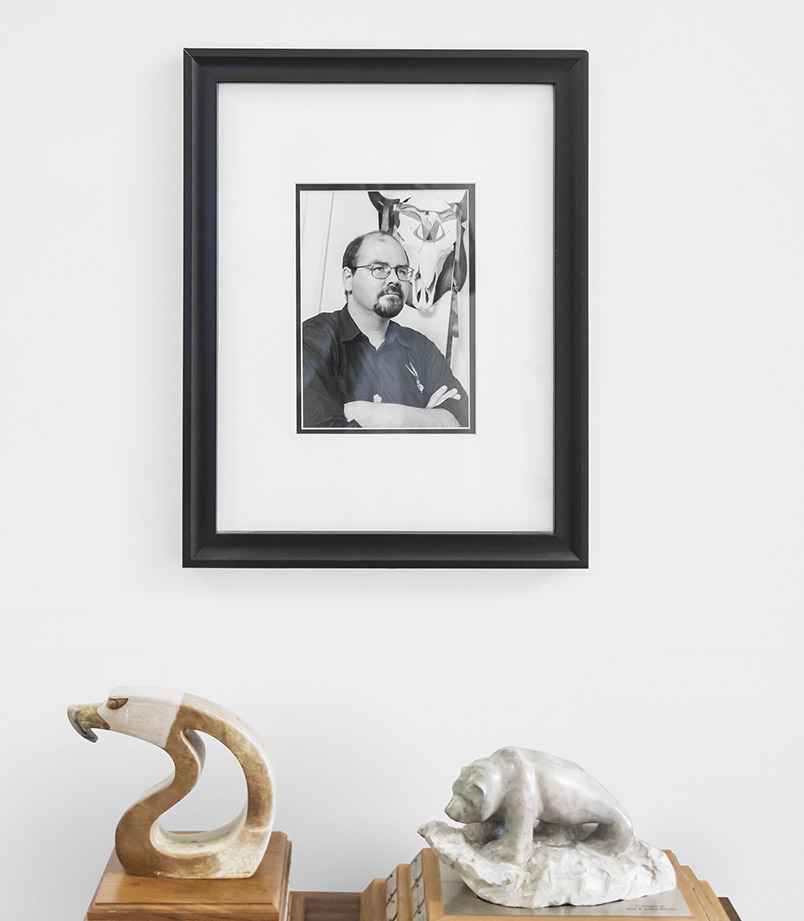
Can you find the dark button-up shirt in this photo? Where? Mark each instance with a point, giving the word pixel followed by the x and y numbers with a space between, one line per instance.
pixel 340 365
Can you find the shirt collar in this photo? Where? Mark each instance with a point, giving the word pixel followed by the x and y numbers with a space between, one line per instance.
pixel 392 333
pixel 400 334
pixel 348 330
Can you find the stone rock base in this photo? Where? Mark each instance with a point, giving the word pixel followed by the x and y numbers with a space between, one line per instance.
pixel 555 875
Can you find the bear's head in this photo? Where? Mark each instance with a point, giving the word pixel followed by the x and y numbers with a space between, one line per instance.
pixel 475 793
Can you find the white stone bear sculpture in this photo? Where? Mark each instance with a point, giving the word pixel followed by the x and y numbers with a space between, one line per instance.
pixel 515 797
pixel 540 831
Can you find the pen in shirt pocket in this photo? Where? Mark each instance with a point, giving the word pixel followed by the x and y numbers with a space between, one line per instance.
pixel 415 373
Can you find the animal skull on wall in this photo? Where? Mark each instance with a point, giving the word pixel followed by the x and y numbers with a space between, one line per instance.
pixel 432 232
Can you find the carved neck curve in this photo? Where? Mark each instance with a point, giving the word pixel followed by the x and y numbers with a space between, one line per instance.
pixel 235 849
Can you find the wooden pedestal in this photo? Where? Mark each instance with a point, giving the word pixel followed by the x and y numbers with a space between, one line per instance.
pixel 262 897
pixel 345 906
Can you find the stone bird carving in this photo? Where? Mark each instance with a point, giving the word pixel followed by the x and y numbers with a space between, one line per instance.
pixel 171 720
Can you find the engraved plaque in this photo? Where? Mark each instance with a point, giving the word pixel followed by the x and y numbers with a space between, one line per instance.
pixel 390 885
pixel 417 894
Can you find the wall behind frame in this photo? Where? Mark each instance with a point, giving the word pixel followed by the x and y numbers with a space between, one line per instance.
pixel 670 670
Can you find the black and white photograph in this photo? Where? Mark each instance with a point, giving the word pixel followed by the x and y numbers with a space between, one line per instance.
pixel 386 308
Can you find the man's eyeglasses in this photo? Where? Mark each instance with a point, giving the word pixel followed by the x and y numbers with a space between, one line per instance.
pixel 383 270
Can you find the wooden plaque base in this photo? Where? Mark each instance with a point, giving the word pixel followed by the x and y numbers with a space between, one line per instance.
pixel 413 892
pixel 262 897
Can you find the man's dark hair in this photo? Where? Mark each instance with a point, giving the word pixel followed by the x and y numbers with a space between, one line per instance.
pixel 351 251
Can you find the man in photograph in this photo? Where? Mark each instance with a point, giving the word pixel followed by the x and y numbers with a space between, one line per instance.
pixel 362 369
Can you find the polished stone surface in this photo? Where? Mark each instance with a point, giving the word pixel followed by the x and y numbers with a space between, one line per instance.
pixel 172 720
pixel 460 900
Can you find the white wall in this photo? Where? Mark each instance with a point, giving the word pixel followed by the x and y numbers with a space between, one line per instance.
pixel 670 670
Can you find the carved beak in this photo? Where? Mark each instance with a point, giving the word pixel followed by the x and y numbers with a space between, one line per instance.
pixel 84 718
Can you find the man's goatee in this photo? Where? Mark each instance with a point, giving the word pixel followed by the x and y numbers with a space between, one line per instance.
pixel 389 305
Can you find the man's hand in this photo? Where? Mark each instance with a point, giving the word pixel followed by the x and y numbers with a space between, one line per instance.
pixel 441 395
pixel 397 416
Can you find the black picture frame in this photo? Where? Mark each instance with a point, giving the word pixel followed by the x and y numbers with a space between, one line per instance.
pixel 566 546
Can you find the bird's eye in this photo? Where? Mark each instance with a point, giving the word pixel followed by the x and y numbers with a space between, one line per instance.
pixel 115 703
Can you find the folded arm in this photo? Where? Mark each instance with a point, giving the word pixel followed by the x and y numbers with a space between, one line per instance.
pixel 397 416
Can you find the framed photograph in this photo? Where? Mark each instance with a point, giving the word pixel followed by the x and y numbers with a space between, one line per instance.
pixel 385 353
pixel 425 317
